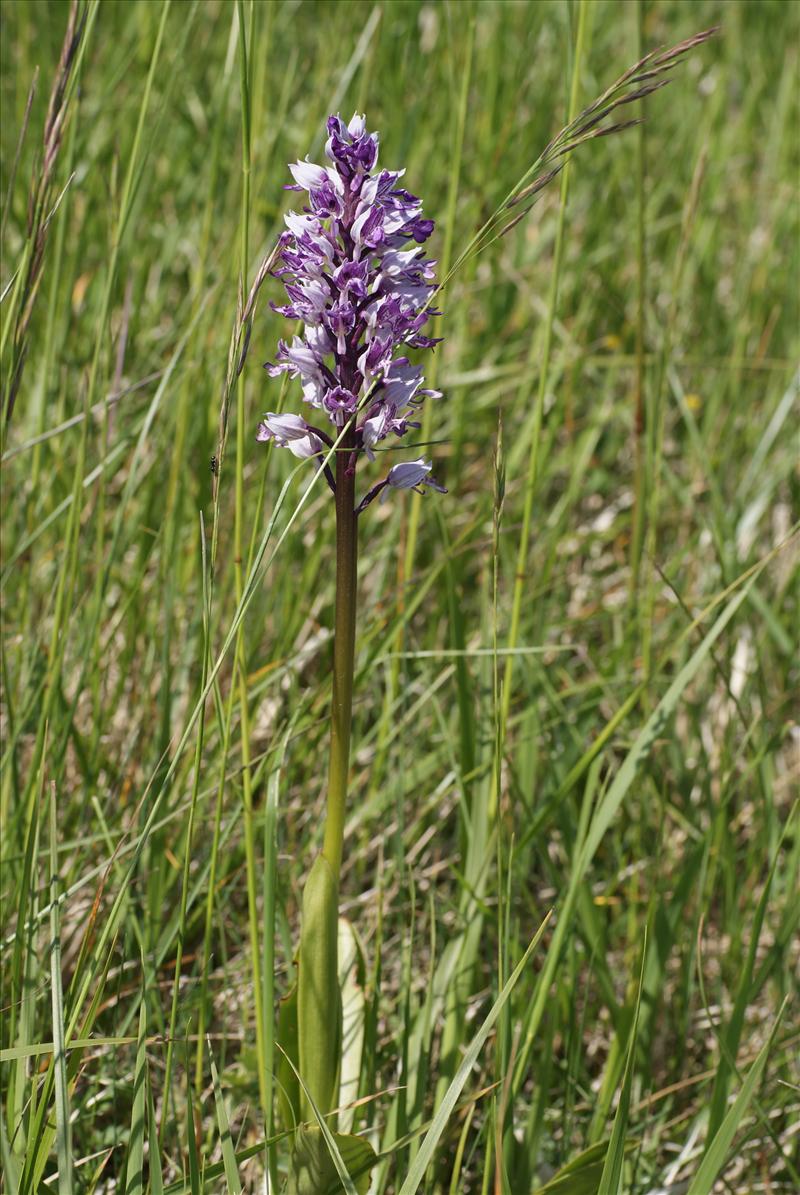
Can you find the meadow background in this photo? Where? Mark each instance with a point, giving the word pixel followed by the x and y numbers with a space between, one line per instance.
pixel 577 672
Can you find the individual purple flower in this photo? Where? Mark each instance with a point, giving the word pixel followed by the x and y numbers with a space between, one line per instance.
pixel 407 475
pixel 339 404
pixel 410 475
pixel 350 147
pixel 292 432
pixel 356 276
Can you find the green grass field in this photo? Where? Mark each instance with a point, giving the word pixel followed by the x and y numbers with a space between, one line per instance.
pixel 576 705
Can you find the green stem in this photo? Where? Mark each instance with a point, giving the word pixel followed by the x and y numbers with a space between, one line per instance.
pixel 246 41
pixel 343 655
pixel 318 997
pixel 639 426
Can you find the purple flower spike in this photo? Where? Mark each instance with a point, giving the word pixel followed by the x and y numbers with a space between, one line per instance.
pixel 356 275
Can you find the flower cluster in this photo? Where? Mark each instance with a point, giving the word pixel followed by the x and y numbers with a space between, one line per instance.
pixel 357 277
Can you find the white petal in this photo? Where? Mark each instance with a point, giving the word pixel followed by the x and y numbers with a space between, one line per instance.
pixel 408 474
pixel 307 174
pixel 337 181
pixel 305 447
pixel 286 427
pixel 314 392
pixel 372 431
pixel 369 191
pixel 299 224
pixel 358 225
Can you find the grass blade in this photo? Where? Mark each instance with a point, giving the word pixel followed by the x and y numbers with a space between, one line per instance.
pixel 717 1153
pixel 63 1130
pixel 431 1140
pixel 611 1178
pixel 232 1180
pixel 730 1036
pixel 608 807
pixel 154 1154
pixel 134 1180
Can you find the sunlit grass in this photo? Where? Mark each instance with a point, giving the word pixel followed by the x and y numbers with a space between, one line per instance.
pixel 577 704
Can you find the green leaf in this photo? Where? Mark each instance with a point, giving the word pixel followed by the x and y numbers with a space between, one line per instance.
pixel 63 1133
pixel 582 1174
pixel 25 971
pixel 288 1061
pixel 232 1180
pixel 353 1019
pixel 314 1171
pixel 268 945
pixel 134 1174
pixel 154 1154
pixel 611 1178
pixel 11 1166
pixel 319 1013
pixel 195 1186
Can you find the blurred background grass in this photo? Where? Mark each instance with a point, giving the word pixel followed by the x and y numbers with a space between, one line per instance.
pixel 103 602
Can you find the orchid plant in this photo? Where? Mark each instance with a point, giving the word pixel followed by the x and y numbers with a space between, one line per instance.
pixel 357 278
pixel 356 275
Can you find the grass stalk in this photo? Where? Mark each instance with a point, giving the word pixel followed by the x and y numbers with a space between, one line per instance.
pixel 409 539
pixel 640 405
pixel 246 39
pixel 187 852
pixel 532 475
